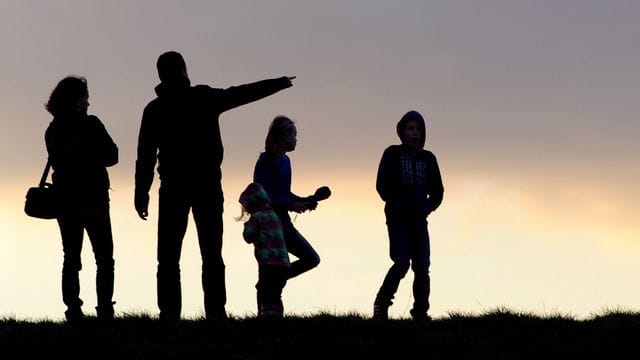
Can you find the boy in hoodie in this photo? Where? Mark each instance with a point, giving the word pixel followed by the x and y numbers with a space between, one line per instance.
pixel 264 231
pixel 410 184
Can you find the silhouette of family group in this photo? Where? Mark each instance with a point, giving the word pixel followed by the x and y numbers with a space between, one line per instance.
pixel 180 136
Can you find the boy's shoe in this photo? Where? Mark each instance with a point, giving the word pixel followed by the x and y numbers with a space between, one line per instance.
pixel 380 312
pixel 272 311
pixel 74 314
pixel 420 316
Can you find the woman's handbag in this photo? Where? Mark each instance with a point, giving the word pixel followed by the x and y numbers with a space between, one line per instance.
pixel 42 201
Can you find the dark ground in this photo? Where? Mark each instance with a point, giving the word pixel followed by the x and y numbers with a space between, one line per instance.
pixel 495 335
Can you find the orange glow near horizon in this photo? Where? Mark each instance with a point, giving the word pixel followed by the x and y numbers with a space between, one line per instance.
pixel 491 246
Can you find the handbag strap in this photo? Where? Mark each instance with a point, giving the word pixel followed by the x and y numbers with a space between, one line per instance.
pixel 43 179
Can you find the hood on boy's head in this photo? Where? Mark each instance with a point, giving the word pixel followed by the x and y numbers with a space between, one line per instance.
pixel 415 116
pixel 254 198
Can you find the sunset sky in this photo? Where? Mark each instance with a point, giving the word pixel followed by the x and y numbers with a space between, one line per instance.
pixel 531 109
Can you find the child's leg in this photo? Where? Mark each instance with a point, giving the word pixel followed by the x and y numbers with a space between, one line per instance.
pixel 297 245
pixel 420 253
pixel 272 280
pixel 262 287
pixel 280 276
pixel 399 253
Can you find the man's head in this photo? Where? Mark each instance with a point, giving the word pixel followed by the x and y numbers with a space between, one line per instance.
pixel 171 68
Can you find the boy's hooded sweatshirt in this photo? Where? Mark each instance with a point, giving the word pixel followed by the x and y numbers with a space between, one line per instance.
pixel 409 181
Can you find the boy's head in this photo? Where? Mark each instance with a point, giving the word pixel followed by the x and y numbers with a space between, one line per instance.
pixel 254 198
pixel 411 130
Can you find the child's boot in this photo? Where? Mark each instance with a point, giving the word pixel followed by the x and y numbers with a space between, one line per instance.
pixel 270 311
pixel 380 312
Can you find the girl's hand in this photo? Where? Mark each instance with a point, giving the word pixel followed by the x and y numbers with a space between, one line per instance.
pixel 299 207
pixel 311 205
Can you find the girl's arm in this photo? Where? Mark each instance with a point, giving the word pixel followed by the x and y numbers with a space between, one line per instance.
pixel 251 230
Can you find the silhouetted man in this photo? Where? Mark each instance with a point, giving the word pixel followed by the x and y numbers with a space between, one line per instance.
pixel 180 128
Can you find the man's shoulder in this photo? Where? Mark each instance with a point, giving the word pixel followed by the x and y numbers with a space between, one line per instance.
pixel 152 105
pixel 206 90
pixel 93 119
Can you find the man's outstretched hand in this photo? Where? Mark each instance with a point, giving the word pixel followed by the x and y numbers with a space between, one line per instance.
pixel 290 79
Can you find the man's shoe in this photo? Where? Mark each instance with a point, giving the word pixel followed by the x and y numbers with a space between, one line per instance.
pixel 74 315
pixel 217 315
pixel 105 312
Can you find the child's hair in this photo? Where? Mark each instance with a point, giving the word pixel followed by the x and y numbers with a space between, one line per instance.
pixel 64 98
pixel 244 214
pixel 252 199
pixel 280 127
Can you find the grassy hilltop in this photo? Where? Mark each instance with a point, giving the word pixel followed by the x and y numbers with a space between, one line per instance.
pixel 499 334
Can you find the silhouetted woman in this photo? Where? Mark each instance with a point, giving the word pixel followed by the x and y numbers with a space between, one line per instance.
pixel 79 150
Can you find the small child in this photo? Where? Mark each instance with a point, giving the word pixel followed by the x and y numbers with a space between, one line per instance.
pixel 410 184
pixel 264 230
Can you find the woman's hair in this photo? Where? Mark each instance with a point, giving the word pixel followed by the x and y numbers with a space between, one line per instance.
pixel 280 127
pixel 64 98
